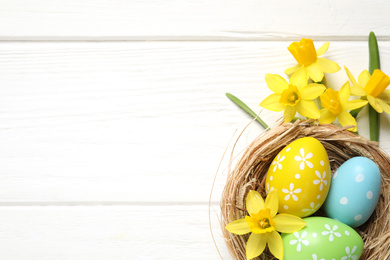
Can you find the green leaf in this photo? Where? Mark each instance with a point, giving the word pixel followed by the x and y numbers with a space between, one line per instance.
pixel 244 107
pixel 374 64
pixel 374 53
pixel 355 112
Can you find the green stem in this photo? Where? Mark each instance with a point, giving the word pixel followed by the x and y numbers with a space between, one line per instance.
pixel 322 82
pixel 244 107
pixel 373 117
pixel 355 112
pixel 374 64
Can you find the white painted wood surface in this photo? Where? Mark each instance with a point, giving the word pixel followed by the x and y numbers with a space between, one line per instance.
pixel 113 117
pixel 107 232
pixel 192 19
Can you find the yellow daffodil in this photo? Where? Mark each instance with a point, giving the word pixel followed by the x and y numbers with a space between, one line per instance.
pixel 373 88
pixel 336 104
pixel 264 223
pixel 309 63
pixel 291 97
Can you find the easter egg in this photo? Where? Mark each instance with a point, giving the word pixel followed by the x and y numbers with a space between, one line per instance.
pixel 354 192
pixel 322 238
pixel 301 175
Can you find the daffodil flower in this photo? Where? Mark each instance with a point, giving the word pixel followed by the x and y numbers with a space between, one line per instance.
pixel 373 88
pixel 309 63
pixel 264 223
pixel 336 106
pixel 292 97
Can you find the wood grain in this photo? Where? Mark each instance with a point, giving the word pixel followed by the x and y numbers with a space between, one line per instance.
pixel 110 232
pixel 113 115
pixel 192 20
pixel 87 122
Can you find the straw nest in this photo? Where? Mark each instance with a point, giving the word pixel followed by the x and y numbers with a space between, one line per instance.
pixel 341 145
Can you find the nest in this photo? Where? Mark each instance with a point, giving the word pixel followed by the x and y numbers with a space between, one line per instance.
pixel 341 145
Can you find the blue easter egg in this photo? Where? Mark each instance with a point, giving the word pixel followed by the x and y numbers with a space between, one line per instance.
pixel 354 191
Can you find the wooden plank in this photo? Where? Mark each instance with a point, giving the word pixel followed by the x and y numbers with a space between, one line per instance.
pixel 106 121
pixel 192 19
pixel 111 232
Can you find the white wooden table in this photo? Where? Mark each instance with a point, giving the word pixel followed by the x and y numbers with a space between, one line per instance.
pixel 113 115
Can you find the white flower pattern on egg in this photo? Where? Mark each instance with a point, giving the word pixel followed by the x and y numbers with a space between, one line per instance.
pixel 321 179
pixel 292 174
pixel 313 208
pixel 304 159
pixel 291 192
pixel 315 257
pixel 350 253
pixel 277 162
pixel 268 189
pixel 319 247
pixel 331 232
pixel 300 240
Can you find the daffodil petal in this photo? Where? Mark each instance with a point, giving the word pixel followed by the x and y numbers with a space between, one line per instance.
pixel 315 72
pixel 272 103
pixel 276 83
pixel 374 103
pixel 291 70
pixel 300 77
pixel 272 202
pixel 323 49
pixel 344 92
pixel 312 91
pixel 363 78
pixel 354 104
pixel 254 202
pixel 275 244
pixel 255 245
pixel 346 119
pixel 287 223
pixel 357 90
pixel 350 76
pixel 385 96
pixel 327 66
pixel 384 105
pixel 308 109
pixel 289 113
pixel 239 227
pixel 327 117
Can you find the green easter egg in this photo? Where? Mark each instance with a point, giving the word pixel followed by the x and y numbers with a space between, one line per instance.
pixel 323 239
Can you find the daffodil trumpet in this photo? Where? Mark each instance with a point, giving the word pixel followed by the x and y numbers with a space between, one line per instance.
pixel 310 65
pixel 372 86
pixel 264 224
pixel 336 106
pixel 292 97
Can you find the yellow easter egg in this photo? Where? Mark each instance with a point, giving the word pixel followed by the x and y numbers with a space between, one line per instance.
pixel 301 175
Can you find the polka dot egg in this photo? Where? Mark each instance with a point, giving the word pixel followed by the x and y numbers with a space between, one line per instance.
pixel 301 175
pixel 354 192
